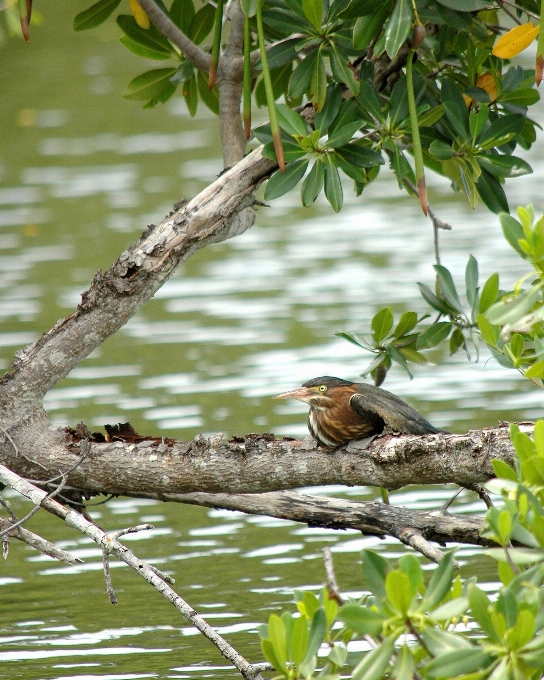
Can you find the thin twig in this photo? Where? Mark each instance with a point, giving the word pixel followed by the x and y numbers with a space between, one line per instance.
pixel 114 547
pixel 107 577
pixel 510 14
pixel 522 9
pixel 39 543
pixel 332 585
pixel 168 28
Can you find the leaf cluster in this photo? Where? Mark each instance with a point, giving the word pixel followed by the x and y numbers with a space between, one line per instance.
pixel 469 106
pixel 445 627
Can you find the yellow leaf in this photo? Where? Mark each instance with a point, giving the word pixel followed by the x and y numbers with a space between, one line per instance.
pixel 138 13
pixel 487 82
pixel 515 41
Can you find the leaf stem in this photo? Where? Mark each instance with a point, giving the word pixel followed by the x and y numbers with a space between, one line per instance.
pixel 272 113
pixel 416 141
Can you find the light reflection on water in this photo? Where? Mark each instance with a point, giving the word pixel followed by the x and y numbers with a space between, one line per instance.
pixel 238 323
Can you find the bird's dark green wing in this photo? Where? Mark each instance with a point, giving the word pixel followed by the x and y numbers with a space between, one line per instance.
pixel 372 403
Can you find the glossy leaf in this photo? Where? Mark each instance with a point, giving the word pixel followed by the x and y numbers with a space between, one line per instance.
pixel 452 664
pixel 362 620
pixel 375 568
pixel 313 183
pixel 282 182
pixel 435 302
pixel 202 23
pixel 447 287
pixel 375 662
pixel 407 322
pixel 333 185
pixel 340 137
pixel 151 39
pixel 398 27
pixel 341 70
pixel 301 78
pixel 141 51
pixel 318 86
pixel 515 41
pixel 291 121
pixel 209 97
pixel 501 130
pixel 490 333
pixel 513 232
pixel 150 84
pixel 491 193
pixel 440 583
pixel 95 15
pixel 471 281
pixel 434 335
pixel 456 110
pixel 313 10
pixel 367 27
pixel 328 113
pixel 397 587
pixel 464 5
pixel 318 628
pixel 182 13
pixel 382 323
pixel 504 166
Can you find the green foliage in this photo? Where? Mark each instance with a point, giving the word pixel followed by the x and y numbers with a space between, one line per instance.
pixel 468 108
pixel 456 631
pixel 509 323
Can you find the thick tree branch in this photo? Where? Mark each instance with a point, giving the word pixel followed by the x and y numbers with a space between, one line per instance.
pixel 132 280
pixel 261 463
pixel 192 52
pixel 370 517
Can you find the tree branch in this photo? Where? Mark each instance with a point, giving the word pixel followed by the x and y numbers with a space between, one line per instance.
pixel 111 546
pixel 168 28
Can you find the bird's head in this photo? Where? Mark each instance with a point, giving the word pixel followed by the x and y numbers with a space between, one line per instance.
pixel 318 392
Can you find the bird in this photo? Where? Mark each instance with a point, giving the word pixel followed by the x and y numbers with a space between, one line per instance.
pixel 342 411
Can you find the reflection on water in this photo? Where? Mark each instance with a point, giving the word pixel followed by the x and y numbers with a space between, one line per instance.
pixel 82 172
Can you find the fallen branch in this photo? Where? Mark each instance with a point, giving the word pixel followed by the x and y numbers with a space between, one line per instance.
pixel 111 546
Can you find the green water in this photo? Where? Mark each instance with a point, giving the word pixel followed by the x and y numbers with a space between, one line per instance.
pixel 82 172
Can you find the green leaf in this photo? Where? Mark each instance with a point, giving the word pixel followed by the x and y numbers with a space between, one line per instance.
pixel 358 155
pixel 318 629
pixel 382 323
pixel 471 281
pixel 403 668
pixel 441 150
pixel 330 109
pixel 291 121
pixel 513 232
pixel 202 23
pixel 282 182
pixel 276 632
pixel 503 471
pixel 341 70
pixel 480 605
pixel 491 193
pixel 375 662
pixel 397 587
pixel 333 185
pixel 313 10
pixel 269 654
pixel 490 333
pixel 299 640
pixel 407 322
pixel 440 583
pixel 150 38
pixel 434 335
pixel 95 15
pixel 538 438
pixel 313 183
pixel 450 609
pixel 281 53
pixel 318 87
pixel 209 97
pixel 489 292
pixel 504 166
pixel 464 5
pixel 140 51
pixel 182 13
pixel 501 131
pixel 398 27
pixel 453 664
pixel 369 99
pixel 249 7
pixel 301 78
pixel 291 152
pixel 440 305
pixel 477 121
pixel 341 136
pixel 375 568
pixel 511 312
pixel 456 109
pixel 150 84
pixel 362 620
pixel 190 94
pixel 369 26
pixel 448 287
pixel 431 116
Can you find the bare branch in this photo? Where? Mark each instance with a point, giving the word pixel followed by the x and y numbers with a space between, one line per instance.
pixel 111 546
pixel 39 543
pixel 168 28
pixel 332 585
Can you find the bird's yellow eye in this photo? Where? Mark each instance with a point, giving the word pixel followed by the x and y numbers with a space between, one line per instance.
pixel 322 388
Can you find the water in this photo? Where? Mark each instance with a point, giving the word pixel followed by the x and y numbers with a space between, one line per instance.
pixel 82 172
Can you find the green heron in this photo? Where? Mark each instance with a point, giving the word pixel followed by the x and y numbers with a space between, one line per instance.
pixel 341 411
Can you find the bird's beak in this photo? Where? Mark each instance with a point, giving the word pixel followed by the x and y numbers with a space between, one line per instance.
pixel 301 393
